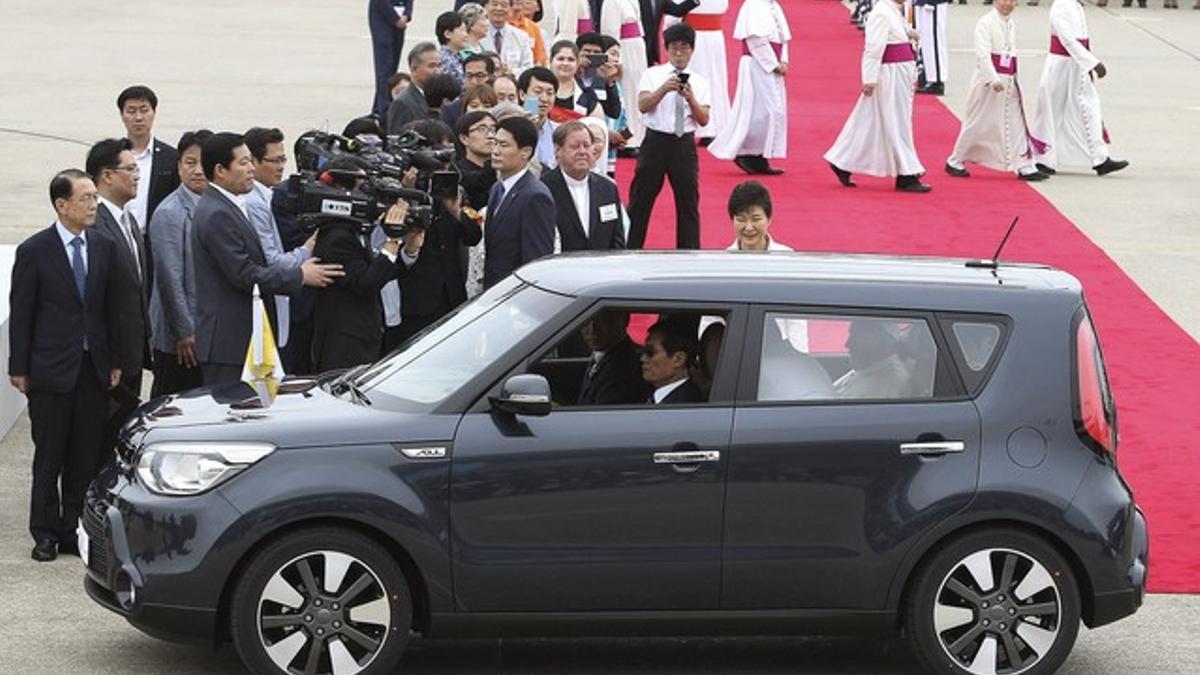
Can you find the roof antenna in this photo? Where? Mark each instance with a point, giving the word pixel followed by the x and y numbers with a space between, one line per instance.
pixel 994 262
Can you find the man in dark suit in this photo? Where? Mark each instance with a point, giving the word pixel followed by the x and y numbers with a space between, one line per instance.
pixel 670 348
pixel 424 63
pixel 63 332
pixel 520 217
pixel 114 171
pixel 157 162
pixel 614 375
pixel 229 262
pixel 588 205
pixel 387 20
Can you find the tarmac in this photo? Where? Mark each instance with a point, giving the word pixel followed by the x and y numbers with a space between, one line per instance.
pixel 301 64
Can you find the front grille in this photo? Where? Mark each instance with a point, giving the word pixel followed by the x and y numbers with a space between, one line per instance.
pixel 95 521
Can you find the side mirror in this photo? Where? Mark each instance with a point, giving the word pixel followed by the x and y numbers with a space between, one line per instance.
pixel 524 395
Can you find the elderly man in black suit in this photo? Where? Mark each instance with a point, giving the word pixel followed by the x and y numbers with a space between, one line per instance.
pixel 424 63
pixel 588 205
pixel 114 170
pixel 63 334
pixel 614 374
pixel 670 347
pixel 229 261
pixel 520 214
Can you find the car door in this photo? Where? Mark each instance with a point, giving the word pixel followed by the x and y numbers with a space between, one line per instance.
pixel 831 482
pixel 593 508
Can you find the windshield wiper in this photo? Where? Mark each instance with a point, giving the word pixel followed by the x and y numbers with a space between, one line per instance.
pixel 345 383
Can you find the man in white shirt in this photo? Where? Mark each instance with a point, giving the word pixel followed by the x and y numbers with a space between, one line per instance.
pixel 157 162
pixel 674 103
pixel 513 45
pixel 588 205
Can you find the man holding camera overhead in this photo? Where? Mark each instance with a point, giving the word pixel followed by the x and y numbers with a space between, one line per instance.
pixel 674 103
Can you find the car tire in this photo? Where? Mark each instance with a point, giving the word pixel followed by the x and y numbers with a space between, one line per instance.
pixel 999 600
pixel 325 596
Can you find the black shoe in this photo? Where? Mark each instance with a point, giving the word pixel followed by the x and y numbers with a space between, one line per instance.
pixel 45 551
pixel 935 88
pixel 1033 177
pixel 767 170
pixel 911 184
pixel 68 548
pixel 746 163
pixel 705 142
pixel 1045 169
pixel 1110 165
pixel 843 176
pixel 627 153
pixel 956 172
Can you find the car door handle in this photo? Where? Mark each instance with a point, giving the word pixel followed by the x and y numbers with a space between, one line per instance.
pixel 687 457
pixel 932 448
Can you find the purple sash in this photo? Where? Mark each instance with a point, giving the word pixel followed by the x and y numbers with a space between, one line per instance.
pixel 775 47
pixel 899 52
pixel 1011 69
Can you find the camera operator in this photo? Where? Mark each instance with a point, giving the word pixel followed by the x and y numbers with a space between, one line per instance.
pixel 434 284
pixel 349 313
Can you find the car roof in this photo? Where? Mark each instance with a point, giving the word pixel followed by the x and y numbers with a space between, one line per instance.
pixel 739 276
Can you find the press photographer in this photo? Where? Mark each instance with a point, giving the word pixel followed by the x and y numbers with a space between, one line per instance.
pixel 349 314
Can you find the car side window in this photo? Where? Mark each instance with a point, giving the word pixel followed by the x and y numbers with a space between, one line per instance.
pixel 977 341
pixel 623 357
pixel 817 357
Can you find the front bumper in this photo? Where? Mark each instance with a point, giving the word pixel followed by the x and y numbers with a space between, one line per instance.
pixel 158 562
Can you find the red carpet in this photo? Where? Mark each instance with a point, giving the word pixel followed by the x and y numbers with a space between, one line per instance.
pixel 1154 366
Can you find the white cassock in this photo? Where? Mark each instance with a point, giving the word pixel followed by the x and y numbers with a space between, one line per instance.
pixel 622 19
pixel 994 130
pixel 1068 110
pixel 708 59
pixel 877 139
pixel 565 20
pixel 930 17
pixel 758 120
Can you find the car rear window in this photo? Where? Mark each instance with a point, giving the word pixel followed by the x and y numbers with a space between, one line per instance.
pixel 977 342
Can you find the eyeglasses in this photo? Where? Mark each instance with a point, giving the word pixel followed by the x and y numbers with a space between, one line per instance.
pixel 280 160
pixel 487 129
pixel 129 168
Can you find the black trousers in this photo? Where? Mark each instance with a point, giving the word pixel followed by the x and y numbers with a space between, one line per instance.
pixel 68 441
pixel 297 353
pixel 386 51
pixel 170 377
pixel 220 373
pixel 673 157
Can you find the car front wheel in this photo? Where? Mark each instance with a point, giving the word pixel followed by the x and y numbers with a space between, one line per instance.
pixel 995 602
pixel 321 602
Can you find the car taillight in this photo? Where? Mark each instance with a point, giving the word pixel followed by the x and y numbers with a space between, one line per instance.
pixel 1095 402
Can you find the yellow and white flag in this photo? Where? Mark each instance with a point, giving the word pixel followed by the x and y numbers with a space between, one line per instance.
pixel 263 370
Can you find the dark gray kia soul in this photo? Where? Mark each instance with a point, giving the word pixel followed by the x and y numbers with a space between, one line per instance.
pixel 925 447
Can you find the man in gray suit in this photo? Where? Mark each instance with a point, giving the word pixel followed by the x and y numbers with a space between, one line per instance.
pixel 173 294
pixel 424 61
pixel 229 262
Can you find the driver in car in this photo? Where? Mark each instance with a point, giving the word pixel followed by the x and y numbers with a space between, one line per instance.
pixel 614 374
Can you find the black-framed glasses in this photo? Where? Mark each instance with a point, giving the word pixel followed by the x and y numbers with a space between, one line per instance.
pixel 485 128
pixel 280 160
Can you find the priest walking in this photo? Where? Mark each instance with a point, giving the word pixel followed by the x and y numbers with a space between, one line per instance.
pixel 757 128
pixel 994 132
pixel 878 139
pixel 1068 112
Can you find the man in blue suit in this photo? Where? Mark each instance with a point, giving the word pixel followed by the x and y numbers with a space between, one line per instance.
pixel 387 20
pixel 65 336
pixel 521 212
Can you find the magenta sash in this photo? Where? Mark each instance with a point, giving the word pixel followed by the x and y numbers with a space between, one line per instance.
pixel 631 30
pixel 583 26
pixel 1056 46
pixel 899 52
pixel 775 46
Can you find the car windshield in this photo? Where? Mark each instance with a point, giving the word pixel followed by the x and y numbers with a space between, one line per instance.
pixel 434 364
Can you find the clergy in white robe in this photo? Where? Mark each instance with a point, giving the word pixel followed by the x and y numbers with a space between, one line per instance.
pixel 930 19
pixel 1068 111
pixel 565 19
pixel 757 127
pixel 709 58
pixel 622 19
pixel 877 139
pixel 994 130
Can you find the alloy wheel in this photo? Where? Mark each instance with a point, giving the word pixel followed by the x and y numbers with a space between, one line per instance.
pixel 997 612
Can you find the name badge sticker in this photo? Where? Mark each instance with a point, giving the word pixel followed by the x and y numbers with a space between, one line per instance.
pixel 608 212
pixel 1006 61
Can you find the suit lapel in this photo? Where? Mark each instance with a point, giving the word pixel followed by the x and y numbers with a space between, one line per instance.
pixel 562 195
pixel 247 228
pixel 113 230
pixel 511 195
pixel 94 261
pixel 62 262
pixel 597 238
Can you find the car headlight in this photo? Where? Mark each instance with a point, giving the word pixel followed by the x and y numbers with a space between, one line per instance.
pixel 192 468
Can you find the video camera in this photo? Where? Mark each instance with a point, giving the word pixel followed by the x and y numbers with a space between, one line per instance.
pixel 370 181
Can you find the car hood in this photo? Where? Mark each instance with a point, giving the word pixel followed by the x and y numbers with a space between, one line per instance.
pixel 302 414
